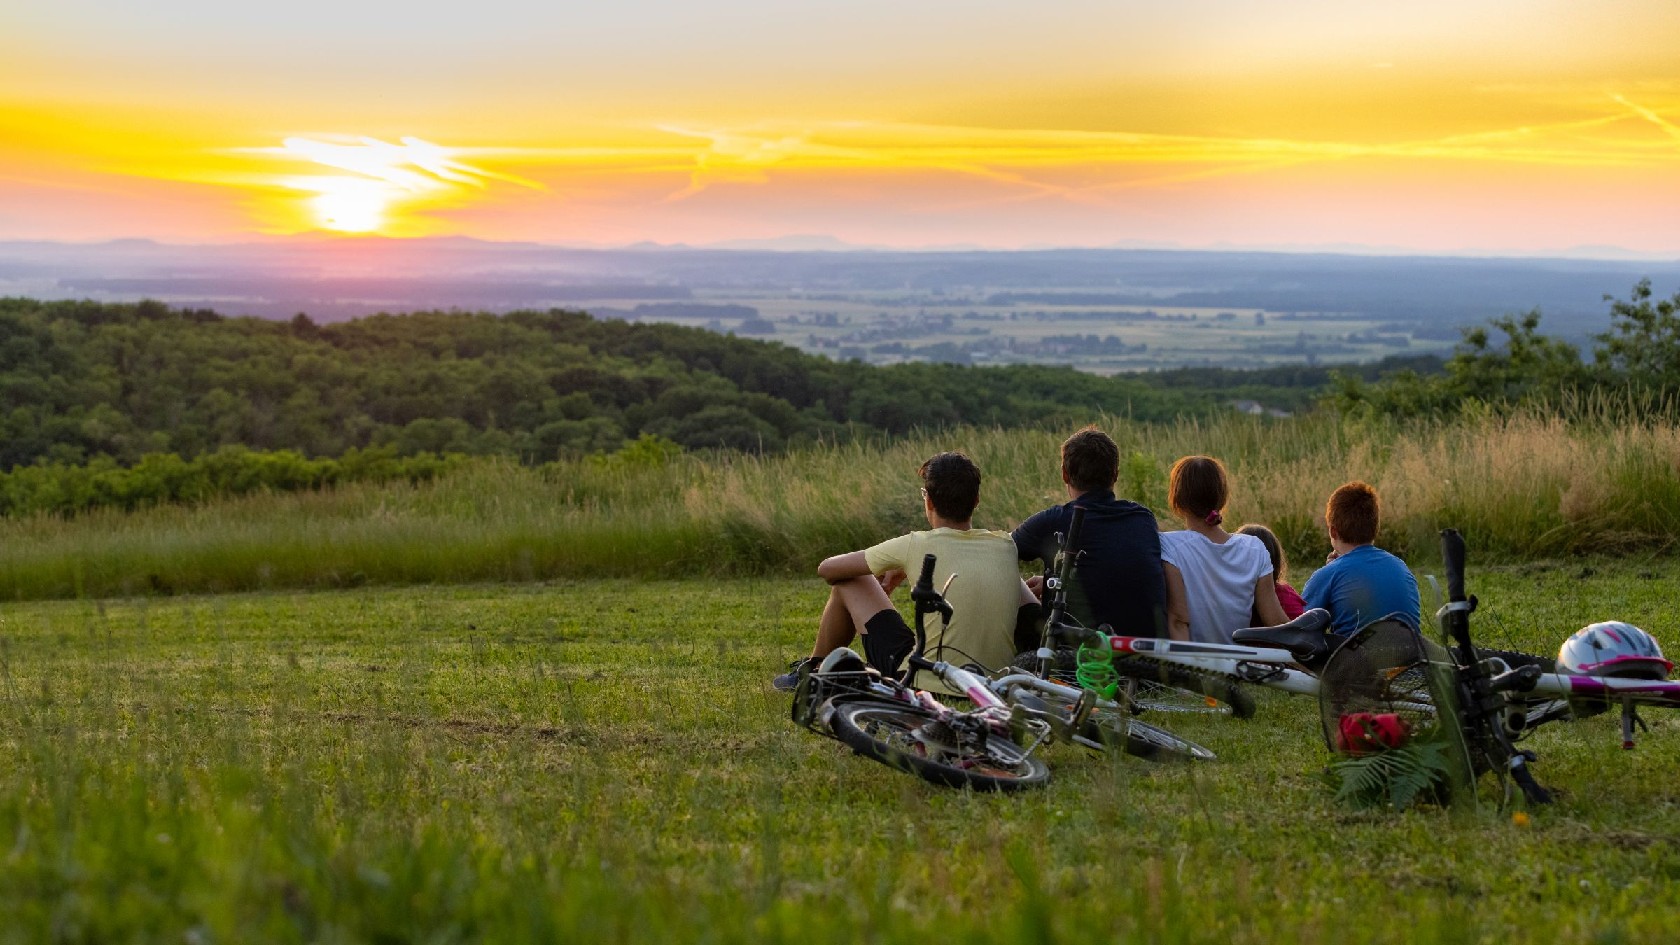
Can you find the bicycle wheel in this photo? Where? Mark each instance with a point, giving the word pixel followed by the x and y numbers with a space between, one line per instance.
pixel 1155 686
pixel 1516 660
pixel 1169 687
pixel 912 740
pixel 1110 727
pixel 1142 740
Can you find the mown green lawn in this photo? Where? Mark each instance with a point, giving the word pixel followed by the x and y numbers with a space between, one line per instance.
pixel 606 762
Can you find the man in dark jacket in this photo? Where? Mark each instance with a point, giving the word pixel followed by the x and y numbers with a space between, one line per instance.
pixel 1118 579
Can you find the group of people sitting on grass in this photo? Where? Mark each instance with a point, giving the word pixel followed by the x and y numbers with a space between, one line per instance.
pixel 1197 583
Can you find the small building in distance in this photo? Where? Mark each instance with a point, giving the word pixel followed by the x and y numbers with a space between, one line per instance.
pixel 1257 409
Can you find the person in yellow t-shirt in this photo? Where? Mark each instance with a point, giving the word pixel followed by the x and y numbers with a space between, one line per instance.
pixel 987 598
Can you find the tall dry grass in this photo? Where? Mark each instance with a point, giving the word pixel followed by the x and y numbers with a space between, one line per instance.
pixel 1528 485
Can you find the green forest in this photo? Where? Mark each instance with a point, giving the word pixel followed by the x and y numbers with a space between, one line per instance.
pixel 84 380
pixel 127 405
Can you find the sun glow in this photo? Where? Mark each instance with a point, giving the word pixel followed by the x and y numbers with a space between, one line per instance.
pixel 351 206
pixel 383 186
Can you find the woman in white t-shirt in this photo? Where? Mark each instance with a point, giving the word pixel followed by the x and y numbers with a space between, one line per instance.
pixel 1214 578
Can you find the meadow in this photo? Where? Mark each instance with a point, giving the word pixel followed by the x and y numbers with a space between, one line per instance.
pixel 515 704
pixel 605 761
pixel 1520 487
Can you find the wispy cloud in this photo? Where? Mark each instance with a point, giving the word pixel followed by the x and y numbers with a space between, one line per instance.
pixel 414 164
pixel 1652 117
pixel 1024 160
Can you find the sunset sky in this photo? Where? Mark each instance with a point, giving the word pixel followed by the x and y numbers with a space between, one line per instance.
pixel 1469 126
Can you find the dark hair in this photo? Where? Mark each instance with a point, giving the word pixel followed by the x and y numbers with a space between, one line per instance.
pixel 1090 460
pixel 1280 562
pixel 1196 488
pixel 1354 512
pixel 952 482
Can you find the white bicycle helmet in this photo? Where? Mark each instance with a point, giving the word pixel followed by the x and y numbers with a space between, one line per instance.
pixel 1613 648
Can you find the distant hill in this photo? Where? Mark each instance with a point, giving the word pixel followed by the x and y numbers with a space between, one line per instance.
pixel 86 379
pixel 336 279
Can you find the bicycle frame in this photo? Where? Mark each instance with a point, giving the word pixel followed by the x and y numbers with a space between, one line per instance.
pixel 991 707
pixel 1276 669
pixel 1265 666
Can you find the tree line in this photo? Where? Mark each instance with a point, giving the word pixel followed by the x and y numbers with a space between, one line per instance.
pixel 1633 367
pixel 84 381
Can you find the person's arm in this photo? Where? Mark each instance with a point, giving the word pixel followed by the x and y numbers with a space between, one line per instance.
pixel 844 567
pixel 1266 601
pixel 1178 603
pixel 1316 593
pixel 1029 536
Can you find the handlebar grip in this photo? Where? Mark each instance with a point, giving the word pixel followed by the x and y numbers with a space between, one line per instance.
pixel 926 580
pixel 1452 557
pixel 1074 528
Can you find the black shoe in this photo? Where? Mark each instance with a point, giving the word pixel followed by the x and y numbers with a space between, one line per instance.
pixel 789 681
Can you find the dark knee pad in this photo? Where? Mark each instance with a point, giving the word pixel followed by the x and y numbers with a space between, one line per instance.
pixel 1029 627
pixel 888 641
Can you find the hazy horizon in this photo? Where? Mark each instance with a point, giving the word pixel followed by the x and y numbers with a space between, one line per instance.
pixel 816 242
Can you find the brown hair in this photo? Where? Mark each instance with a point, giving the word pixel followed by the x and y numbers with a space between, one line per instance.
pixel 952 482
pixel 1090 460
pixel 1354 512
pixel 1280 561
pixel 1197 488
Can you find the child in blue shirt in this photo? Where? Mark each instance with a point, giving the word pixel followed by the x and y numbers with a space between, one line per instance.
pixel 1361 583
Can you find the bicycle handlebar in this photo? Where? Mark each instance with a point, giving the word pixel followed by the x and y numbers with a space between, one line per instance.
pixel 928 600
pixel 1057 597
pixel 924 584
pixel 1452 556
pixel 1074 528
pixel 1484 693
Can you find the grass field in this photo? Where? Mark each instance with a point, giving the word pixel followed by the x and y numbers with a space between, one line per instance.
pixel 1520 488
pixel 606 762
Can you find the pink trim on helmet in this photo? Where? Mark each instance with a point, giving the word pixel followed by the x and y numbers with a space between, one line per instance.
pixel 1591 668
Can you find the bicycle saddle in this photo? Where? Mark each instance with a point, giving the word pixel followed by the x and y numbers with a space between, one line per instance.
pixel 1306 637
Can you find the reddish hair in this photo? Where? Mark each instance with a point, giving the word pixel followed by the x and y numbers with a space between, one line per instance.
pixel 1354 512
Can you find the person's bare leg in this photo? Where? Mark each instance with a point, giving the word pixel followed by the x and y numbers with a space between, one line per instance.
pixel 835 629
pixel 850 604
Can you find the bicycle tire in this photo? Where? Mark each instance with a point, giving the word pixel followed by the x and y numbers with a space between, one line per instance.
pixel 1110 728
pixel 895 736
pixel 1517 660
pixel 1149 742
pixel 1161 686
pixel 1169 687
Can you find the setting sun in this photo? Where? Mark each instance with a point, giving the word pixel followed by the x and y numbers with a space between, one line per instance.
pixel 351 206
pixel 378 188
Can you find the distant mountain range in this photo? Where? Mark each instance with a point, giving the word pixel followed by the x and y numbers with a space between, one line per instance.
pixel 337 278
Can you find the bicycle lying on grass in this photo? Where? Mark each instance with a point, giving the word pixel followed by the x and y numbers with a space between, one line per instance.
pixel 989 747
pixel 1502 697
pixel 1518 691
